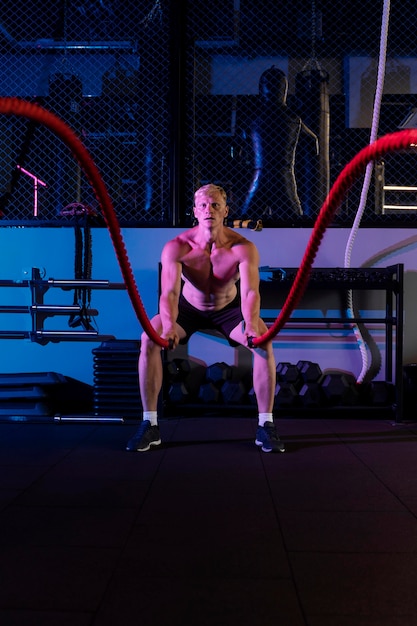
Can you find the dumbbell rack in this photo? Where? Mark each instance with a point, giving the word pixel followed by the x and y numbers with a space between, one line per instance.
pixel 275 285
pixel 39 311
pixel 276 282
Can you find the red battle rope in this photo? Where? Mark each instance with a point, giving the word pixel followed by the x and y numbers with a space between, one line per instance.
pixel 21 108
pixel 393 142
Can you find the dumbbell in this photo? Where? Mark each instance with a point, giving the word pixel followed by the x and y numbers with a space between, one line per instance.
pixel 309 372
pixel 218 373
pixel 311 395
pixel 339 388
pixel 178 393
pixel 171 370
pixel 229 380
pixel 289 373
pixel 185 377
pixel 286 395
pixel 209 393
pixel 193 374
pixel 234 392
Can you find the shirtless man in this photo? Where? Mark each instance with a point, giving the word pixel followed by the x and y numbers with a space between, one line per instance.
pixel 200 269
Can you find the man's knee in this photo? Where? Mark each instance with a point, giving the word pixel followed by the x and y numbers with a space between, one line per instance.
pixel 148 345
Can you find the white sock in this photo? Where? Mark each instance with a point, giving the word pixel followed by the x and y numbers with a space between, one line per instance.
pixel 152 416
pixel 265 417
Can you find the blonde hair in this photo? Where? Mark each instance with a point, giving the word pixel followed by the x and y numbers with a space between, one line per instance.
pixel 210 188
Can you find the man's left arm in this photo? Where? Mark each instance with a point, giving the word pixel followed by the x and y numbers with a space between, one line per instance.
pixel 249 289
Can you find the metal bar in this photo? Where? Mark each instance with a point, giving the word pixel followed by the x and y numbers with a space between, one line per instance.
pixel 400 207
pixel 346 321
pixel 399 188
pixel 65 334
pixel 68 335
pixel 87 418
pixel 57 309
pixel 14 309
pixel 90 284
pixel 14 283
pixel 15 334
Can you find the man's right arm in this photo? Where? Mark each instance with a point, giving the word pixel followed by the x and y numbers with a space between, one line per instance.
pixel 170 290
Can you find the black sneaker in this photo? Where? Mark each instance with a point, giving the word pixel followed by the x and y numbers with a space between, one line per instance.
pixel 266 436
pixel 146 436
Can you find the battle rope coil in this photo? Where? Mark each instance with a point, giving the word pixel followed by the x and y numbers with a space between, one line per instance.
pixel 393 142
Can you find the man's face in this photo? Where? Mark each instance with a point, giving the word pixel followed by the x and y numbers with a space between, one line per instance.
pixel 210 208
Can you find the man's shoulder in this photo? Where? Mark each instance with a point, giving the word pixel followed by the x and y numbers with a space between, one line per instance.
pixel 178 245
pixel 238 239
pixel 243 248
pixel 183 238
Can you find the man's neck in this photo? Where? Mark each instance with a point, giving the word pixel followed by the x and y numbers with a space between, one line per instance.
pixel 210 238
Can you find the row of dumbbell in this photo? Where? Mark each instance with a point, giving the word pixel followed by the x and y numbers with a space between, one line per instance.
pixel 301 384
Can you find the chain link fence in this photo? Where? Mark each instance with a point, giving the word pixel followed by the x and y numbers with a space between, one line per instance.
pixel 269 100
pixel 103 67
pixel 283 97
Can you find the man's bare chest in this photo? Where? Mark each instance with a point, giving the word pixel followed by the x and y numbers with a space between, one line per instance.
pixel 216 268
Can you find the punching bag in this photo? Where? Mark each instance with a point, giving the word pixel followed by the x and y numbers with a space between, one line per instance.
pixel 275 131
pixel 312 94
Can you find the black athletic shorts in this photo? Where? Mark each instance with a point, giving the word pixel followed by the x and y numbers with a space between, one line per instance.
pixel 193 320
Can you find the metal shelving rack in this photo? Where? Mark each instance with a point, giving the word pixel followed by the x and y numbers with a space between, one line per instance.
pixel 40 311
pixel 336 281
